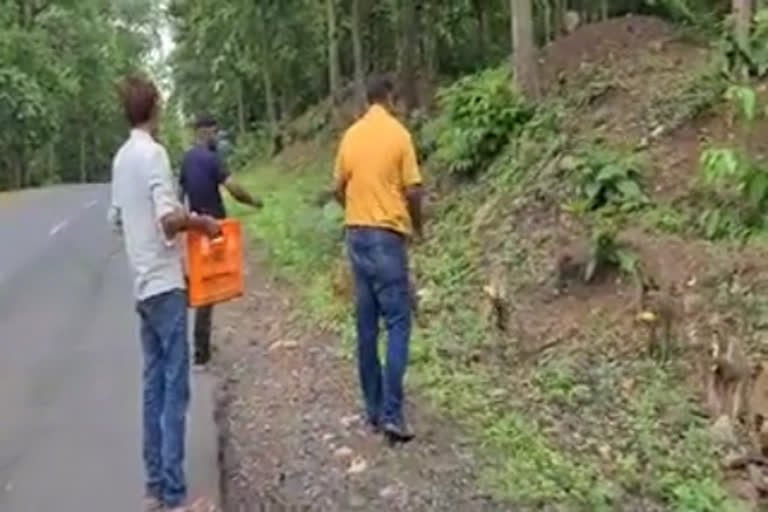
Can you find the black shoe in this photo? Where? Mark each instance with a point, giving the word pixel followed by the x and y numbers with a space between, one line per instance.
pixel 397 432
pixel 374 425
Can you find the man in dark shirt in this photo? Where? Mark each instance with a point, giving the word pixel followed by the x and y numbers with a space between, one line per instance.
pixel 202 174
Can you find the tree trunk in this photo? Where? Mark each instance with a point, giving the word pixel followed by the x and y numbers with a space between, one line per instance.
pixel 546 14
pixel 429 43
pixel 334 73
pixel 524 50
pixel 357 49
pixel 83 165
pixel 742 10
pixel 558 25
pixel 51 178
pixel 483 26
pixel 269 99
pixel 408 86
pixel 267 81
pixel 241 123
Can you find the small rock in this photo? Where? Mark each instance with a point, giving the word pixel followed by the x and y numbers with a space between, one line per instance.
pixel 657 132
pixel 498 393
pixel 568 163
pixel 350 420
pixel 357 501
pixel 744 490
pixel 343 452
pixel 692 302
pixel 357 466
pixel 328 437
pixel 757 477
pixel 734 460
pixel 722 432
pixel 389 492
pixel 605 451
pixel 283 344
pixel 656 46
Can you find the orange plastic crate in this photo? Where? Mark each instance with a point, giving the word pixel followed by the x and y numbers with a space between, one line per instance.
pixel 215 268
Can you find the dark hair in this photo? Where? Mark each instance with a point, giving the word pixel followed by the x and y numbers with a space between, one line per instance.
pixel 140 98
pixel 379 89
pixel 205 121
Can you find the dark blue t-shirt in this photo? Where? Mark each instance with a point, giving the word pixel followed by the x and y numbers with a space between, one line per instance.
pixel 202 172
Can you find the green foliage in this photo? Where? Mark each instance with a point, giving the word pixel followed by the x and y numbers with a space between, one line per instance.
pixel 478 116
pixel 701 13
pixel 736 183
pixel 605 179
pixel 750 57
pixel 59 116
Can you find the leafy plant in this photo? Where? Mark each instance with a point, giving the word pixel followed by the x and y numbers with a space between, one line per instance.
pixel 750 58
pixel 478 116
pixel 605 178
pixel 605 250
pixel 738 183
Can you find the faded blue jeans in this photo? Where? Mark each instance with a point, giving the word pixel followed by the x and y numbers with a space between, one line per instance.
pixel 379 262
pixel 166 394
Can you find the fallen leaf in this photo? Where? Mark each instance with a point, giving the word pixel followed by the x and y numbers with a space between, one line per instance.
pixel 284 344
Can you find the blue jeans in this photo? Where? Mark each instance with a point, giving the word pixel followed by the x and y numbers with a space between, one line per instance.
pixel 166 393
pixel 380 265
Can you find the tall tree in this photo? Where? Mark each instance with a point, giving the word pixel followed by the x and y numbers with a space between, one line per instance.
pixel 742 10
pixel 409 38
pixel 523 47
pixel 357 51
pixel 334 69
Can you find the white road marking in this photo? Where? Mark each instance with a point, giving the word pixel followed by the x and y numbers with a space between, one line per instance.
pixel 58 227
pixel 90 204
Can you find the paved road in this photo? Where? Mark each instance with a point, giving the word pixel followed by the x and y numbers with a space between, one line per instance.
pixel 70 362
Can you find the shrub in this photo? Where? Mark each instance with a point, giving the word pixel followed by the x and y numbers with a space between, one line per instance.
pixel 605 178
pixel 477 117
pixel 733 180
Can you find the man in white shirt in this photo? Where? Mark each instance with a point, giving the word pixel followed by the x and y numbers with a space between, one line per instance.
pixel 146 210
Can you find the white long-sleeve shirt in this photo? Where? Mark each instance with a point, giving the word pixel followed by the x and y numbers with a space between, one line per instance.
pixel 143 193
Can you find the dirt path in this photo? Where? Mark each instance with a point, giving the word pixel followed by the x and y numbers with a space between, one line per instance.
pixel 292 435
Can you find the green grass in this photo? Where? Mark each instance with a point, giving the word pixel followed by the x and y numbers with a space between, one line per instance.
pixel 657 445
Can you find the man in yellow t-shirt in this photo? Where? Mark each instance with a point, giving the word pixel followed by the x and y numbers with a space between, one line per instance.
pixel 378 183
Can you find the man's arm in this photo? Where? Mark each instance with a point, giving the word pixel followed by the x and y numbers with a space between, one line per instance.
pixel 179 221
pixel 414 197
pixel 340 177
pixel 237 191
pixel 115 219
pixel 114 215
pixel 414 190
pixel 240 194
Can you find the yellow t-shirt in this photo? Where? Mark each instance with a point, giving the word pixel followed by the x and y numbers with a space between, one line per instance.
pixel 375 164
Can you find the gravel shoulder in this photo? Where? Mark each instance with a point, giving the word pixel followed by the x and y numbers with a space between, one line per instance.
pixel 291 430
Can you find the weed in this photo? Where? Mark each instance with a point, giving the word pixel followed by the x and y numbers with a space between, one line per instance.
pixel 605 178
pixel 750 58
pixel 478 116
pixel 735 183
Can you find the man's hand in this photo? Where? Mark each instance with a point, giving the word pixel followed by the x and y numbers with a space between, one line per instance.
pixel 207 224
pixel 241 195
